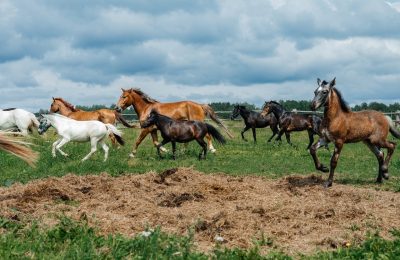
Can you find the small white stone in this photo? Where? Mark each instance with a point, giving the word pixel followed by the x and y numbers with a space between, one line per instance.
pixel 219 239
pixel 145 233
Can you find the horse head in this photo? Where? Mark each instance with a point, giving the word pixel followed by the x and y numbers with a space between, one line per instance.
pixel 44 124
pixel 235 112
pixel 55 106
pixel 150 120
pixel 322 93
pixel 125 100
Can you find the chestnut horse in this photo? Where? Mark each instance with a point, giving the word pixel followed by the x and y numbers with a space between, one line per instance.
pixel 289 122
pixel 183 110
pixel 340 125
pixel 18 149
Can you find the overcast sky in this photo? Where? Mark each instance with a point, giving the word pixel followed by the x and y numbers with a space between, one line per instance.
pixel 201 50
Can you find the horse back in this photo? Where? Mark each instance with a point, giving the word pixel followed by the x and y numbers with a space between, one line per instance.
pixel 182 110
pixel 85 115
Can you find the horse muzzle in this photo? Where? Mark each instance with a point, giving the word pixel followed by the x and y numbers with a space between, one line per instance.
pixel 118 109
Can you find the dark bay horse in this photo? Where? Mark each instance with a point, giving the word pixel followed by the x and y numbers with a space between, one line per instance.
pixel 254 120
pixel 183 110
pixel 182 131
pixel 107 116
pixel 340 125
pixel 289 122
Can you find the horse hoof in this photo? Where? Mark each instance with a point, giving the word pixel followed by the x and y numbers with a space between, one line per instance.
pixel 163 149
pixel 386 176
pixel 328 184
pixel 213 150
pixel 323 169
pixel 131 155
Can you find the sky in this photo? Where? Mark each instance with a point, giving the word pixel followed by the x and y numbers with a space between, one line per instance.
pixel 201 50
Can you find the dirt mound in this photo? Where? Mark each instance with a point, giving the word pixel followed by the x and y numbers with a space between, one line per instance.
pixel 295 214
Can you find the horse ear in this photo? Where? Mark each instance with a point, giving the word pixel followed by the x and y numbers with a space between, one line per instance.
pixel 333 82
pixel 318 81
pixel 123 90
pixel 54 99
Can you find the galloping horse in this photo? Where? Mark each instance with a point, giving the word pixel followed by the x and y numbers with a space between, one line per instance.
pixel 182 131
pixel 19 119
pixel 107 116
pixel 340 125
pixel 183 110
pixel 79 131
pixel 18 149
pixel 254 120
pixel 289 122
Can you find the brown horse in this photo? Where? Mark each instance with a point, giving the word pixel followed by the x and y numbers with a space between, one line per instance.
pixel 107 116
pixel 183 110
pixel 340 125
pixel 18 149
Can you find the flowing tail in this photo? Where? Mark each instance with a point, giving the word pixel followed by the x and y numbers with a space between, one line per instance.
pixel 393 130
pixel 19 149
pixel 117 134
pixel 215 134
pixel 34 124
pixel 210 112
pixel 122 120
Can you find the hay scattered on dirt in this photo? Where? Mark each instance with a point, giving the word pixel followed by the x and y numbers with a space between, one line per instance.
pixel 296 213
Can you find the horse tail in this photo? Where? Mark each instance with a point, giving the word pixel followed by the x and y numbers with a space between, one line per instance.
pixel 393 130
pixel 19 149
pixel 117 134
pixel 215 134
pixel 34 123
pixel 210 112
pixel 122 120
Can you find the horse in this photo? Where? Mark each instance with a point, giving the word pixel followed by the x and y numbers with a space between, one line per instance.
pixel 183 110
pixel 289 122
pixel 19 149
pixel 106 116
pixel 254 120
pixel 79 131
pixel 340 125
pixel 182 131
pixel 18 119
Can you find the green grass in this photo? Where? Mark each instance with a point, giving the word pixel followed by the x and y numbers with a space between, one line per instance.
pixel 357 165
pixel 73 240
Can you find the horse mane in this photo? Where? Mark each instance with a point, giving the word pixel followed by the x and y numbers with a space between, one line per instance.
pixel 9 109
pixel 342 102
pixel 275 102
pixel 69 105
pixel 144 96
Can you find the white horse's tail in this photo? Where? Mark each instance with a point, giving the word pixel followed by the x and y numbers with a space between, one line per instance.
pixel 117 134
pixel 34 123
pixel 393 130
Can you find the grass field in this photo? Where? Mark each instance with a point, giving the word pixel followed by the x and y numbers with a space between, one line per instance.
pixel 357 166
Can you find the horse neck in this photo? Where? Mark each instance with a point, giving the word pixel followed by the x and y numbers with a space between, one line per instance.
pixel 244 112
pixel 332 107
pixel 277 111
pixel 138 104
pixel 64 110
pixel 162 122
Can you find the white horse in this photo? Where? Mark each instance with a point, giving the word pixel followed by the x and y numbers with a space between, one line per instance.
pixel 17 119
pixel 79 131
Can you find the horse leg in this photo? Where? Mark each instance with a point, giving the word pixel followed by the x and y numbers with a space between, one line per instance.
pixel 210 145
pixel 53 150
pixel 105 148
pixel 313 151
pixel 93 143
pixel 243 131
pixel 334 160
pixel 203 144
pixel 274 132
pixel 310 137
pixel 379 156
pixel 163 142
pixel 139 140
pixel 279 137
pixel 155 140
pixel 173 150
pixel 61 144
pixel 254 134
pixel 390 146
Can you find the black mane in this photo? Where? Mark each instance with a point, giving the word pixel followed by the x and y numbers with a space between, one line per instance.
pixel 342 102
pixel 9 109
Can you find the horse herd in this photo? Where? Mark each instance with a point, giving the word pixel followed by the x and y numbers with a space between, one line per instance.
pixel 184 121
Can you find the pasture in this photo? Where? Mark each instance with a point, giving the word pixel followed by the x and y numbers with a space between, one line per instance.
pixel 355 178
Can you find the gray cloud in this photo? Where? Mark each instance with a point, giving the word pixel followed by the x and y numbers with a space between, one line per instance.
pixel 230 50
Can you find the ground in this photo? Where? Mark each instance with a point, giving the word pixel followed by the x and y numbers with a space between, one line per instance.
pixel 294 214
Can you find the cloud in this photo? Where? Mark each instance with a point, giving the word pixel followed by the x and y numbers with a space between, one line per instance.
pixel 206 51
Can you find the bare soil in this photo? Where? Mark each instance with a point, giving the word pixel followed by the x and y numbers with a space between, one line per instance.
pixel 293 214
